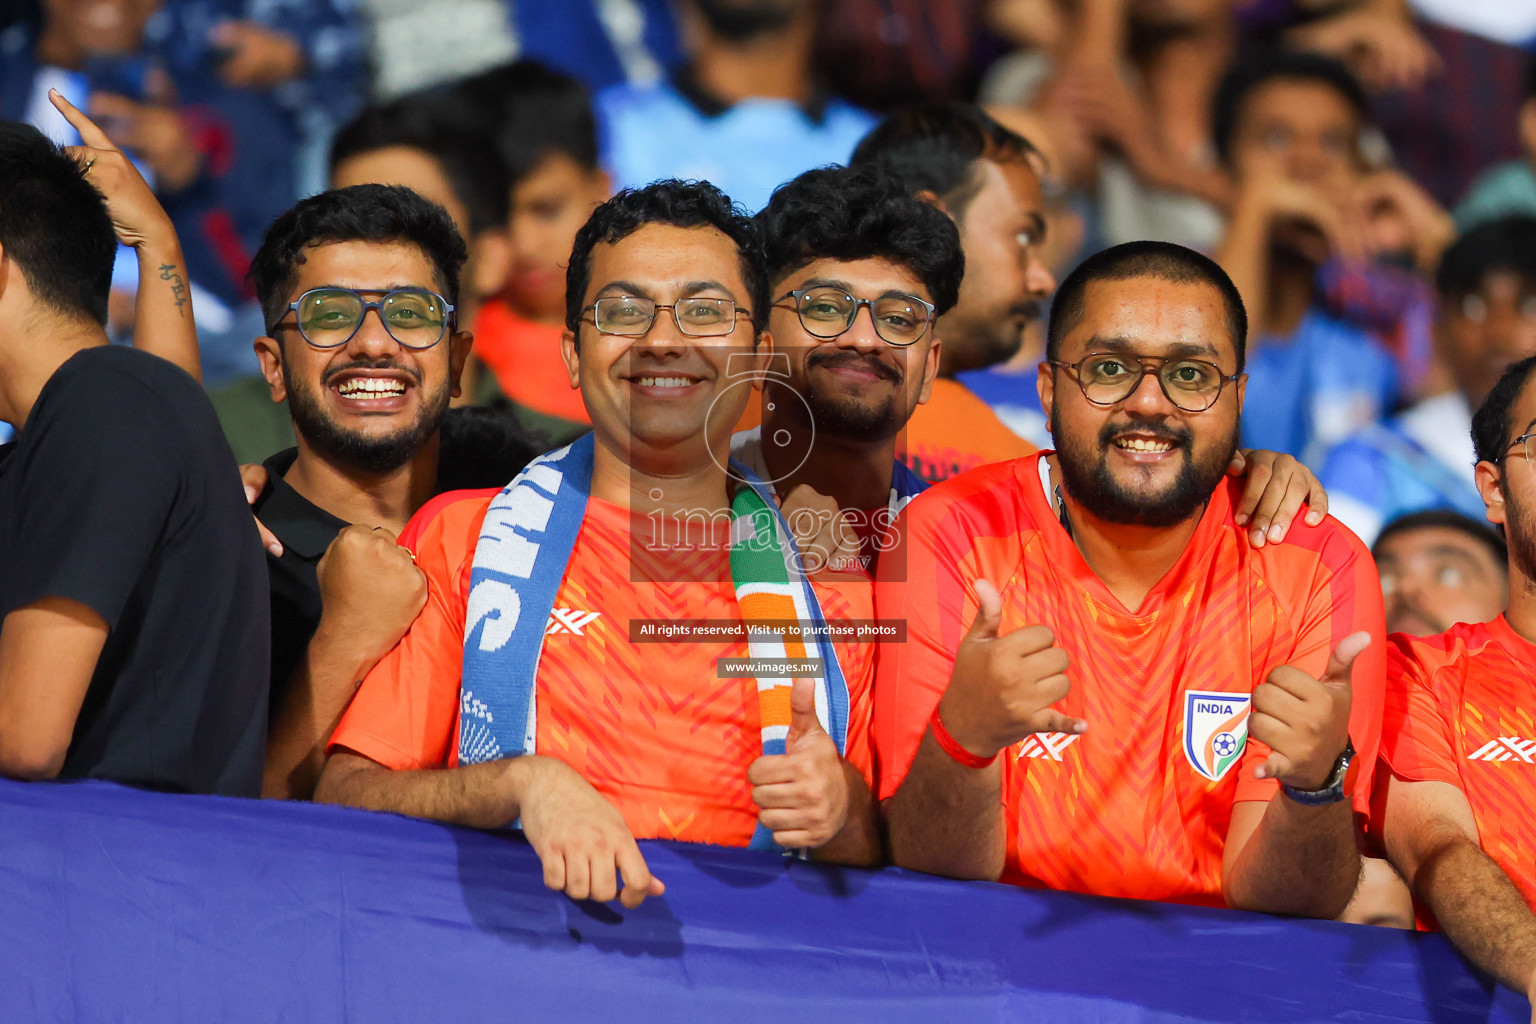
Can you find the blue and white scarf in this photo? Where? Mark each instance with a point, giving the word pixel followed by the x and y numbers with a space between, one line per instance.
pixel 519 564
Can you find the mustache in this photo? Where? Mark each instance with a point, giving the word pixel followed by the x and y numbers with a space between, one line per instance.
pixel 873 363
pixel 1412 608
pixel 369 364
pixel 1111 432
pixel 1029 311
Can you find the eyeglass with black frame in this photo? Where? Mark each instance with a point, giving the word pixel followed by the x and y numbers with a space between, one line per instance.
pixel 329 317
pixel 827 313
pixel 630 316
pixel 1107 378
pixel 1524 441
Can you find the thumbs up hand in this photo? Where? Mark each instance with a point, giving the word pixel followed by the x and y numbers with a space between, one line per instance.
pixel 802 793
pixel 1002 686
pixel 1305 721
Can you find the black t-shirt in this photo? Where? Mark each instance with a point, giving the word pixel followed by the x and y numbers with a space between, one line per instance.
pixel 479 448
pixel 306 530
pixel 122 494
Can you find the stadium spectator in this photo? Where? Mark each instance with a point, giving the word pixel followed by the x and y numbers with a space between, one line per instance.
pixel 1119 567
pixel 1126 95
pixel 1306 221
pixel 545 133
pixel 603 42
pixel 984 176
pixel 883 54
pixel 835 237
pixel 134 639
pixel 746 102
pixel 1422 458
pixel 1508 188
pixel 311 54
pixel 221 159
pixel 368 395
pixel 1455 787
pixel 1439 568
pixel 426 143
pixel 585 736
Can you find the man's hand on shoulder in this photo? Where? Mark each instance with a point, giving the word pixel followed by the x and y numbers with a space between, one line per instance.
pixel 1305 721
pixel 803 792
pixel 582 840
pixel 1274 487
pixel 1003 686
pixel 254 476
pixel 370 591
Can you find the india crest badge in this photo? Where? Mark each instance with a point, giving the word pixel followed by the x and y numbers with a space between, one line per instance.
pixel 1215 731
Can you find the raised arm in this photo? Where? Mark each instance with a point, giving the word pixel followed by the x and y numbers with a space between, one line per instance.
pixel 163 312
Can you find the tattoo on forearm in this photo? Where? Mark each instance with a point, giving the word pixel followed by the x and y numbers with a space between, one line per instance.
pixel 178 287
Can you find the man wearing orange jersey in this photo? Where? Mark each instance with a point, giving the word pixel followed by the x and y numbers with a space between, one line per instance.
pixel 516 653
pixel 1130 683
pixel 1458 754
pixel 862 272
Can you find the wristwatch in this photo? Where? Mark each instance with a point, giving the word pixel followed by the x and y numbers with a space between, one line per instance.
pixel 1332 790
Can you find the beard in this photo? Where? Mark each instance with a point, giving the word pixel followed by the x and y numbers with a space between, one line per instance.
pixel 1520 533
pixel 977 343
pixel 1086 475
pixel 846 417
pixel 739 21
pixel 367 453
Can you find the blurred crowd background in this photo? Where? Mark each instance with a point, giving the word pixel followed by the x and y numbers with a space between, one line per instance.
pixel 1364 169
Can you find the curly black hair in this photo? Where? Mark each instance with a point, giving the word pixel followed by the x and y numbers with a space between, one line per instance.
pixel 858 213
pixel 1491 424
pixel 359 213
pixel 683 204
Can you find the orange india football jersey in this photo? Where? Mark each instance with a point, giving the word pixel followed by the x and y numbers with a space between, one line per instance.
pixel 649 725
pixel 1461 709
pixel 1138 805
pixel 955 431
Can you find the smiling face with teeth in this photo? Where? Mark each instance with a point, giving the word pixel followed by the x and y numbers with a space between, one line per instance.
pixel 1144 460
pixel 370 404
pixel 664 398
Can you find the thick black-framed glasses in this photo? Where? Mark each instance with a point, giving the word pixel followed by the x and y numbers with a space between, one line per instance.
pixel 827 313
pixel 1106 378
pixel 329 317
pixel 630 316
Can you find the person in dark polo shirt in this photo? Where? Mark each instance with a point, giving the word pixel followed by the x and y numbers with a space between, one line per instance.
pixel 359 288
pixel 134 637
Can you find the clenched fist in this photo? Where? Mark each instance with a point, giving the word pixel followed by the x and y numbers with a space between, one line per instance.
pixel 1305 721
pixel 1002 687
pixel 370 591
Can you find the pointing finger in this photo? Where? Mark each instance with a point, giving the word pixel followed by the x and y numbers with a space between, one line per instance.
pixel 90 134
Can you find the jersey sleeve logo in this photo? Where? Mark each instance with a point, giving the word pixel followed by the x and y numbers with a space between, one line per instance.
pixel 1506 748
pixel 1215 731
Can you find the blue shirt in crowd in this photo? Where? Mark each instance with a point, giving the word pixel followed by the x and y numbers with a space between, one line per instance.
pixel 671 130
pixel 1311 390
